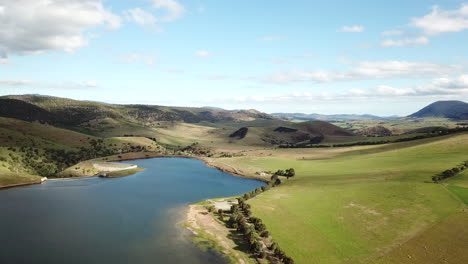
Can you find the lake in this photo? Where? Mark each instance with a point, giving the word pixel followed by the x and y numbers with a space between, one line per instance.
pixel 134 219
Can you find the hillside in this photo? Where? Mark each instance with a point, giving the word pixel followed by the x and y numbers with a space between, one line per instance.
pixel 457 110
pixel 92 115
pixel 29 150
pixel 310 132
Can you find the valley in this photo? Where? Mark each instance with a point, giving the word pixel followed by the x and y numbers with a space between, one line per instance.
pixel 371 202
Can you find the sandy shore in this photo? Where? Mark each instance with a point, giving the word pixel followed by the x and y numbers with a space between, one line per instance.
pixel 202 223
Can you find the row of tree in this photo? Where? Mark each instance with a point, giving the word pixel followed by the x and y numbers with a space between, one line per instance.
pixel 450 173
pixel 252 228
pixel 286 173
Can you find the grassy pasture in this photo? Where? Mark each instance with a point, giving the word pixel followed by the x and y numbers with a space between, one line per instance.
pixel 358 205
pixel 458 185
pixel 442 243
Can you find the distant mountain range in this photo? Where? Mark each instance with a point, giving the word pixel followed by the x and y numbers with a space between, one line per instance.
pixel 338 117
pixel 457 110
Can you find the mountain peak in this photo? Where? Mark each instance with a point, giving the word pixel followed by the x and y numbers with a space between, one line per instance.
pixel 449 109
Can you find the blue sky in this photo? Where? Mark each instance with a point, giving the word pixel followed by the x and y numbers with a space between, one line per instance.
pixel 378 57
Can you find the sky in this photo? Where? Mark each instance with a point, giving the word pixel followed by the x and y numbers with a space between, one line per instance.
pixel 330 57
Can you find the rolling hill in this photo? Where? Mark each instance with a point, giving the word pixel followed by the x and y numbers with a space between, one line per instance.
pixel 457 110
pixel 85 114
pixel 310 132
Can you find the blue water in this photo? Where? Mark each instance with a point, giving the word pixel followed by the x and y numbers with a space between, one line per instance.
pixel 133 219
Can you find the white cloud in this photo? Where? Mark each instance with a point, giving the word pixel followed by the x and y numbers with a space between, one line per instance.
pixel 18 82
pixel 140 17
pixel 138 58
pixel 418 41
pixel 36 26
pixel 4 60
pixel 280 78
pixel 366 70
pixel 389 90
pixel 435 23
pixel 442 21
pixel 393 33
pixel 46 84
pixel 90 84
pixel 203 53
pixel 438 88
pixel 352 29
pixel 174 9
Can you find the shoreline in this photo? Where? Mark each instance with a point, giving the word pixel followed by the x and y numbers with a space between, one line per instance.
pixel 137 156
pixel 208 232
pixel 8 186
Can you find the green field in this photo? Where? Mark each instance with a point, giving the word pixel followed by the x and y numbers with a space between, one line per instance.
pixel 358 205
pixel 458 185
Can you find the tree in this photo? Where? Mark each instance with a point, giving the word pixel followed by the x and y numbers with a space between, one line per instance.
pixel 279 253
pixel 288 260
pixel 273 246
pixel 277 182
pixel 279 172
pixel 265 234
pixel 232 220
pixel 255 246
pixel 260 227
pixel 211 209
pixel 234 209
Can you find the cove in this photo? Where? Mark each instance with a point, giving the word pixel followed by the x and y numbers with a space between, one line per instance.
pixel 134 219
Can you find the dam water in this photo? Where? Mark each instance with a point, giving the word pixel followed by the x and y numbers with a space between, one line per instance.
pixel 134 219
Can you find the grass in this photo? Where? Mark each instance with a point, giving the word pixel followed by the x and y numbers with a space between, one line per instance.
pixel 9 178
pixel 426 247
pixel 123 173
pixel 355 207
pixel 458 185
